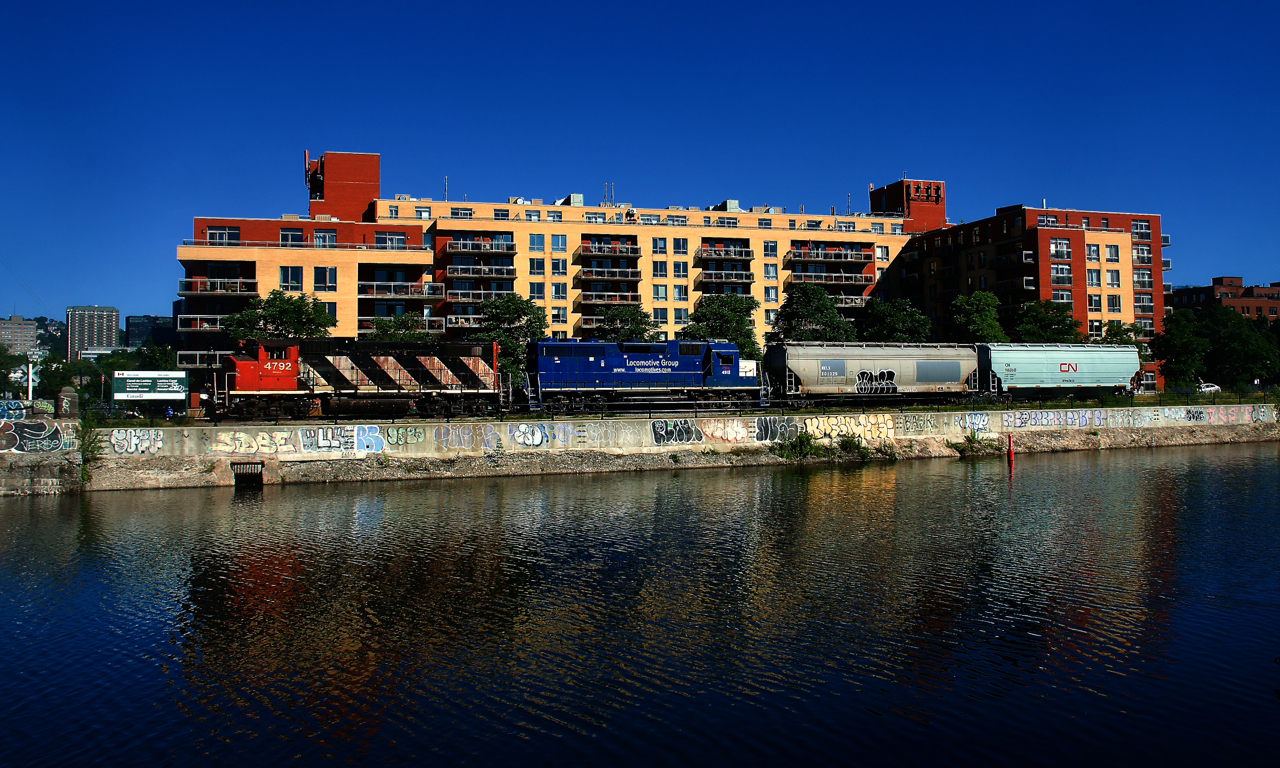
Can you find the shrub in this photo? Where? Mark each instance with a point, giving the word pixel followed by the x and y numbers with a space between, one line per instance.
pixel 91 447
pixel 854 446
pixel 972 445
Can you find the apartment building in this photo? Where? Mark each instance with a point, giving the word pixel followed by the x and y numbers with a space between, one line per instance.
pixel 139 329
pixel 1252 301
pixel 91 326
pixel 367 257
pixel 1107 266
pixel 18 335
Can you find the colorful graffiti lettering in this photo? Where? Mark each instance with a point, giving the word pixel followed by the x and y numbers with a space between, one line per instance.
pixel 137 441
pixel 13 410
pixel 405 435
pixel 679 431
pixel 35 437
pixel 529 435
pixel 327 439
pixel 872 426
pixel 973 422
pixel 369 438
pixel 263 443
pixel 725 430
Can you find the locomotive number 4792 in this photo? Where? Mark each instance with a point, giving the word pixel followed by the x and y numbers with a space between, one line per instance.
pixel 278 365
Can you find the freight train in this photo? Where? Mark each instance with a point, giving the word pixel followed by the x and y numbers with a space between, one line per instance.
pixel 330 377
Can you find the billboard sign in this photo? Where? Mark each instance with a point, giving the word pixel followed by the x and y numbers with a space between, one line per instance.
pixel 149 385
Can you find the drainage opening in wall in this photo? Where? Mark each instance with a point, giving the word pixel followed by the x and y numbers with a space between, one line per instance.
pixel 248 474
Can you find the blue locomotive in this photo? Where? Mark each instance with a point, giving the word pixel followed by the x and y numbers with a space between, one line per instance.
pixel 573 374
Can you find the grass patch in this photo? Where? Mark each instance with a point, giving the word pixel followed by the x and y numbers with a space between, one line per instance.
pixel 91 445
pixel 972 445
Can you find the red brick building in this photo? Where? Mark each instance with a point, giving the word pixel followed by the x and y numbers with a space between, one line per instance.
pixel 1231 292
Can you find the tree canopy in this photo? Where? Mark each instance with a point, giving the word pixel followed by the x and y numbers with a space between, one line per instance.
pixel 7 363
pixel 1180 349
pixel 624 323
pixel 1047 322
pixel 894 321
pixel 1216 345
pixel 399 328
pixel 974 320
pixel 512 321
pixel 280 316
pixel 725 316
pixel 1126 334
pixel 809 314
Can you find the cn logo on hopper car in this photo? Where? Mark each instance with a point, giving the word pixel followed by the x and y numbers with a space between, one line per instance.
pixel 1067 368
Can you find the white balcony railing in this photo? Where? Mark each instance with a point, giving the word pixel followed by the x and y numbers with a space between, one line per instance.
pixel 725 252
pixel 479 271
pixel 710 276
pixel 470 296
pixel 595 297
pixel 201 286
pixel 609 249
pixel 833 255
pixel 463 321
pixel 211 323
pixel 479 246
pixel 407 290
pixel 589 273
pixel 201 359
pixel 832 277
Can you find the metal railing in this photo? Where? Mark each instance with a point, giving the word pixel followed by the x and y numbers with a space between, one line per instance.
pixel 409 290
pixel 202 285
pixel 1144 309
pixel 731 276
pixel 1166 265
pixel 325 245
pixel 478 246
pixel 729 252
pixel 1142 260
pixel 595 297
pixel 201 359
pixel 1142 236
pixel 365 324
pixel 200 322
pixel 1060 280
pixel 589 321
pixel 608 249
pixel 815 255
pixel 463 321
pixel 474 271
pixel 1060 255
pixel 1145 284
pixel 467 296
pixel 831 277
pixel 1028 283
pixel 590 273
pixel 851 301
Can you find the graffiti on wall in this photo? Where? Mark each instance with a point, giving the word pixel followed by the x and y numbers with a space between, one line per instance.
pixel 869 426
pixel 13 410
pixel 135 442
pixel 257 443
pixel 675 431
pixel 771 429
pixel 36 436
pixel 404 435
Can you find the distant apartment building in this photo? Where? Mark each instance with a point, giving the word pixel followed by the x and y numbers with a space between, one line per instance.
pixel 18 335
pixel 1105 266
pixel 367 257
pixel 91 326
pixel 1252 301
pixel 139 329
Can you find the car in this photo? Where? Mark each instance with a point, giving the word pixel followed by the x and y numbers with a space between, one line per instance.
pixel 1208 389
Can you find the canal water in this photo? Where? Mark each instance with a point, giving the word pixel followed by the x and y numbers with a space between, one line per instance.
pixel 1112 607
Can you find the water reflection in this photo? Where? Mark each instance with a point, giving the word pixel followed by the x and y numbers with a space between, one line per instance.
pixel 745 613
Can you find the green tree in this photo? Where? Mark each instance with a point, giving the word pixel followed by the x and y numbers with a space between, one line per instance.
pixel 974 320
pixel 809 314
pixel 894 321
pixel 1126 334
pixel 626 322
pixel 1180 349
pixel 56 372
pixel 399 328
pixel 156 357
pixel 725 316
pixel 1237 354
pixel 280 316
pixel 7 363
pixel 1047 322
pixel 512 321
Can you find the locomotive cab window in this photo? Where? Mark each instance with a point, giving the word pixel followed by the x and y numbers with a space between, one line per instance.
pixel 277 353
pixel 724 359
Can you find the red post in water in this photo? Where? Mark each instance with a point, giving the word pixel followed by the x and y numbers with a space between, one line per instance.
pixel 1010 450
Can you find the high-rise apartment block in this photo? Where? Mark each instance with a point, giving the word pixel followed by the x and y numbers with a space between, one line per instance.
pixel 91 327
pixel 367 257
pixel 18 335
pixel 139 329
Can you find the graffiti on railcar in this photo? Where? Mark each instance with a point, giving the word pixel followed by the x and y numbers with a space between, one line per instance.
pixel 876 382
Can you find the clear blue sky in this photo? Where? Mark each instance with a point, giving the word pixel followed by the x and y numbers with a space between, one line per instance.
pixel 119 124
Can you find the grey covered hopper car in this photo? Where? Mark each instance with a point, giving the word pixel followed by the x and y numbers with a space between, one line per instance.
pixel 801 369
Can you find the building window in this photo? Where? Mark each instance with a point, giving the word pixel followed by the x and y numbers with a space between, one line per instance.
pixel 771 249
pixel 659 293
pixel 764 223
pixel 1113 304
pixel 223 235
pixel 1141 253
pixel 680 246
pixel 677 221
pixel 555 216
pixel 770 316
pixel 1141 229
pixel 1093 278
pixel 393 211
pixel 660 269
pixel 1113 278
pixel 594 217
pixel 1060 248
pixel 1113 254
pixel 877 228
pixel 650 218
pixel 559 267
pixel 560 335
pixel 1091 252
pixel 1063 297
pixel 895 229
pixel 1060 274
pixel 533 215
pixel 331 308
pixel 461 213
pixel 660 315
pixel 1095 328
pixel 560 291
pixel 659 245
pixel 1047 220
pixel 325 238
pixel 537 266
pixel 680 292
pixel 537 291
pixel 291 279
pixel 291 238
pixel 680 270
pixel 771 294
pixel 882 253
pixel 1144 305
pixel 1142 278
pixel 770 271
pixel 559 315
pixel 422 213
pixel 682 316
pixel 501 214
pixel 559 243
pixel 325 279
pixel 537 243
pixel 392 241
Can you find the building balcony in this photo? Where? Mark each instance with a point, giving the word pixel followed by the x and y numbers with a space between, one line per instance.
pixel 393 246
pixel 728 252
pixel 428 324
pixel 1028 283
pixel 1168 288
pixel 474 271
pixel 851 301
pixel 432 291
pixel 594 297
pixel 588 322
pixel 1060 255
pixel 201 286
pixel 463 321
pixel 207 323
pixel 1166 265
pixel 608 249
pixel 201 359
pixel 1144 284
pixel 1142 260
pixel 1061 281
pixel 731 276
pixel 1144 309
pixel 479 246
pixel 830 256
pixel 1142 236
pixel 1165 242
pixel 609 274
pixel 829 278
pixel 473 296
